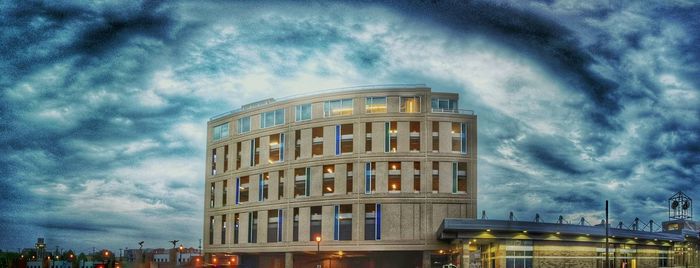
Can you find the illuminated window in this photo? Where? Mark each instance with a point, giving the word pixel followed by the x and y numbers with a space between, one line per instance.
pixel 220 131
pixel 337 108
pixel 328 179
pixel 236 225
pixel 254 152
pixel 212 192
pixel 244 124
pixel 272 118
pixel 295 225
pixel 459 138
pixel 394 182
pixel 223 229
pixel 302 112
pixel 213 161
pixel 297 144
pixel 414 137
pixel 276 148
pixel 436 136
pixel 375 105
pixel 409 104
pixel 263 186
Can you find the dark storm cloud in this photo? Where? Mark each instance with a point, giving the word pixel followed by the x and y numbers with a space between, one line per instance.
pixel 551 43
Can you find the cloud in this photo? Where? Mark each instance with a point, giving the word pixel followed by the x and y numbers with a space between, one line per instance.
pixel 104 105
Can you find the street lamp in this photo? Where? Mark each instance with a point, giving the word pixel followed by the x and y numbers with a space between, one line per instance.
pixel 318 244
pixel 179 259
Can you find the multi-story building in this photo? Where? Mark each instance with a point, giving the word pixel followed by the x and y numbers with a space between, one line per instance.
pixel 359 177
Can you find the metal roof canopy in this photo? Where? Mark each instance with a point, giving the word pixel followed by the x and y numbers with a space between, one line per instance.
pixel 452 227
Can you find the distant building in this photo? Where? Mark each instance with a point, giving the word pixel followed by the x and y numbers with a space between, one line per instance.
pixel 162 258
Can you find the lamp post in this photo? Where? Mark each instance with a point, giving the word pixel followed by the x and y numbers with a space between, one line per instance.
pixel 318 250
pixel 179 258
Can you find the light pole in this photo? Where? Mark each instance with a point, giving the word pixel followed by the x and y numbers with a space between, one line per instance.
pixel 318 250
pixel 179 259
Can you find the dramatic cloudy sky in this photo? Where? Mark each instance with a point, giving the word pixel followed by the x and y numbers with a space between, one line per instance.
pixel 103 106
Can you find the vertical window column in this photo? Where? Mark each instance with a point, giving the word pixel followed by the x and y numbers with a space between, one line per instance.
pixel 213 161
pixel 368 137
pixel 315 223
pixel 373 219
pixel 328 179
pixel 211 230
pixel 236 225
pixel 224 196
pixel 349 178
pixel 343 222
pixel 212 194
pixel 223 229
pixel 280 189
pixel 253 227
pixel 370 177
pixel 225 158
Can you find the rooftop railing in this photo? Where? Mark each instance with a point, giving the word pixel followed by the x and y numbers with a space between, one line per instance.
pixel 452 111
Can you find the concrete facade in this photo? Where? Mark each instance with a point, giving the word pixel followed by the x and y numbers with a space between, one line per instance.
pixel 421 170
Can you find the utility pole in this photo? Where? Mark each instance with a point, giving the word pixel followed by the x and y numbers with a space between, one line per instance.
pixel 607 254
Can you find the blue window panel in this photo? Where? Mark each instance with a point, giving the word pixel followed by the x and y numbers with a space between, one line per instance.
pixel 463 137
pixel 281 147
pixel 307 184
pixel 238 190
pixel 260 187
pixel 368 178
pixel 336 224
pixel 337 139
pixel 378 225
pixel 386 137
pixel 279 225
pixel 454 177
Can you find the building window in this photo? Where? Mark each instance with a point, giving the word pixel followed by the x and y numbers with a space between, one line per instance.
pixel 272 118
pixel 317 141
pixel 315 223
pixel 370 177
pixel 436 177
pixel 295 225
pixel 254 152
pixel 236 225
pixel 276 149
pixel 238 155
pixel 375 105
pixel 297 144
pixel 443 105
pixel 459 177
pixel 416 177
pixel 280 189
pixel 263 186
pixel 519 254
pixel 390 133
pixel 243 124
pixel 373 219
pixel 414 137
pixel 211 230
pixel 394 182
pixel 459 138
pixel 301 181
pixel 337 108
pixel 302 112
pixel 274 225
pixel 224 194
pixel 410 104
pixel 349 178
pixel 242 189
pixel 225 158
pixel 253 227
pixel 220 131
pixel 328 179
pixel 223 229
pixel 213 162
pixel 342 226
pixel 368 137
pixel 343 139
pixel 212 194
pixel 436 136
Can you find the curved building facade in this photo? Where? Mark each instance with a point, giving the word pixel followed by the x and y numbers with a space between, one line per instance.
pixel 370 172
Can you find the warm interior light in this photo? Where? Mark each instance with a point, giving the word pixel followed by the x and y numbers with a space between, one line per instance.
pixel 393 167
pixel 329 189
pixel 273 143
pixel 214 260
pixel 488 230
pixel 441 251
pixel 318 239
pixel 330 170
pixel 393 186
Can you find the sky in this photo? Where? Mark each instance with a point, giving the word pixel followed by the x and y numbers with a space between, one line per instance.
pixel 104 104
